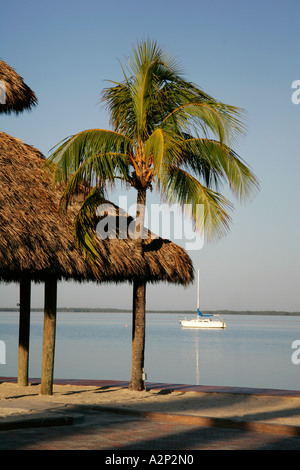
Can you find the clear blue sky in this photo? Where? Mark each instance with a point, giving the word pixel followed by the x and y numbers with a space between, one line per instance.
pixel 245 53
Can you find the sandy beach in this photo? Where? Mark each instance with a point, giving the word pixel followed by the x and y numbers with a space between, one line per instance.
pixel 283 410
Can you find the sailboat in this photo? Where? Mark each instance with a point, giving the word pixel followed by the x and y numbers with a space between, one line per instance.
pixel 203 320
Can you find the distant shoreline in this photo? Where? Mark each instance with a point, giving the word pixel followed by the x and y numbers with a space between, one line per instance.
pixel 179 312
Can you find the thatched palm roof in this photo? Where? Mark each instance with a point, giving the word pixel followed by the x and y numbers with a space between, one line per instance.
pixel 16 95
pixel 35 238
pixel 165 261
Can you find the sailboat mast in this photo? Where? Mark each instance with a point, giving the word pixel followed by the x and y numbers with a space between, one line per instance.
pixel 198 287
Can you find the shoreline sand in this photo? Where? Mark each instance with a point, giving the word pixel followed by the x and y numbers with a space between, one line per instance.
pixel 17 401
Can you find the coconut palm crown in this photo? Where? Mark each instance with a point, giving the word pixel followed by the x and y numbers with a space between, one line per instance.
pixel 166 132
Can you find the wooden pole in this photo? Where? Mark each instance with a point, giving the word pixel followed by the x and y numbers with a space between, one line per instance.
pixel 198 291
pixel 24 331
pixel 49 336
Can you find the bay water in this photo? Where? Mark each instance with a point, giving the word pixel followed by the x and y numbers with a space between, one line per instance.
pixel 253 350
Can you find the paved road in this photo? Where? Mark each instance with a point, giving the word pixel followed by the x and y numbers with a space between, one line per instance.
pixel 126 432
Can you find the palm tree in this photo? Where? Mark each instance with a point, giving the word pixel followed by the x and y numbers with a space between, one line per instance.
pixel 166 134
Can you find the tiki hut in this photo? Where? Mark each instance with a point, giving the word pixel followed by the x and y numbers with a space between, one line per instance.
pixel 15 95
pixel 37 239
pixel 37 244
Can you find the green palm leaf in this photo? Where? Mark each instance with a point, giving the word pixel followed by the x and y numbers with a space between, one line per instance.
pixel 219 163
pixel 179 187
pixel 85 223
pixel 83 148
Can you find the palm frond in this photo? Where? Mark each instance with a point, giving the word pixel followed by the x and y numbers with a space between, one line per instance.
pixel 180 187
pixel 218 162
pixel 85 223
pixel 150 69
pixel 101 169
pixel 163 146
pixel 118 100
pixel 84 147
pixel 204 119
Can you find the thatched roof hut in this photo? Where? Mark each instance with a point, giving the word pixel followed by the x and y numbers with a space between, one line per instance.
pixel 33 239
pixel 38 240
pixel 16 95
pixel 37 243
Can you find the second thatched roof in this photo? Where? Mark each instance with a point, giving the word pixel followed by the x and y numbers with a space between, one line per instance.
pixel 36 239
pixel 15 95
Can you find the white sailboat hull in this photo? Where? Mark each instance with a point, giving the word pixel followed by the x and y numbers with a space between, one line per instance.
pixel 203 323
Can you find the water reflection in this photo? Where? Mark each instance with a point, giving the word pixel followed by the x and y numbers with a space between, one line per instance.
pixel 197 361
pixel 250 352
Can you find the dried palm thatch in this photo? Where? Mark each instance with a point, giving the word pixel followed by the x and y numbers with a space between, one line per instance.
pixel 38 240
pixel 164 260
pixel 15 95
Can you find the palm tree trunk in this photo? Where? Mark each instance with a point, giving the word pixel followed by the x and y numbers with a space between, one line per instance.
pixel 138 336
pixel 139 308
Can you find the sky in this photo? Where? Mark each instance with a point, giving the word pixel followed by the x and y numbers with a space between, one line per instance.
pixel 244 53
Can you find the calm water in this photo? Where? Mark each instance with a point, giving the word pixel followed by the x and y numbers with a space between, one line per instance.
pixel 251 352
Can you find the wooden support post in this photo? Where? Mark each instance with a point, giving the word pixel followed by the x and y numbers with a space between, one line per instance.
pixel 49 336
pixel 24 331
